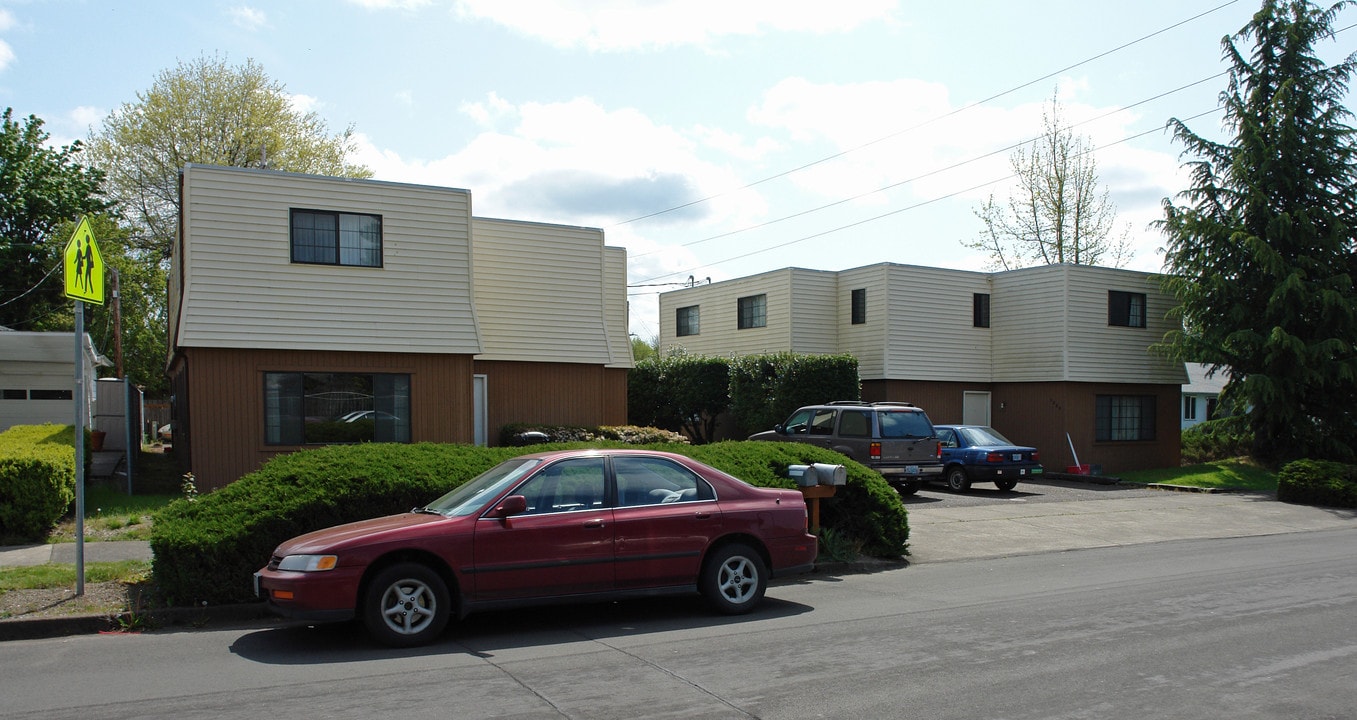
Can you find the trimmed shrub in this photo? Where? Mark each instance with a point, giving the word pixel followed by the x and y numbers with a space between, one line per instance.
pixel 679 392
pixel 207 550
pixel 765 389
pixel 37 479
pixel 628 434
pixel 1318 482
pixel 1219 439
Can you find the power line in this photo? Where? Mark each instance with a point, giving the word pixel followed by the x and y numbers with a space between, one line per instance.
pixel 930 173
pixel 925 123
pixel 897 211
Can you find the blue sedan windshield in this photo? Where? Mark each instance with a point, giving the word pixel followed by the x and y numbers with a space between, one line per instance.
pixel 983 436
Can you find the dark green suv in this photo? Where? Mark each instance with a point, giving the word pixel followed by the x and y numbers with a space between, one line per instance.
pixel 895 439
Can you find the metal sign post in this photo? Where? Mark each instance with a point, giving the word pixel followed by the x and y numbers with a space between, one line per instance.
pixel 79 449
pixel 84 270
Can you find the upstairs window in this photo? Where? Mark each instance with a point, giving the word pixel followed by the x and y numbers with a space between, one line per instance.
pixel 1125 309
pixel 860 306
pixel 333 238
pixel 686 321
pixel 753 312
pixel 980 310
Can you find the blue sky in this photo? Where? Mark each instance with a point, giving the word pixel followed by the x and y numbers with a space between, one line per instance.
pixel 817 135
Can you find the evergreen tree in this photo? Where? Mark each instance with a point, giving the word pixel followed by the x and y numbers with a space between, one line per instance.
pixel 1260 253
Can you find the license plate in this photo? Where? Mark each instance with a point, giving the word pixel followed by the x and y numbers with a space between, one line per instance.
pixel 1017 457
pixel 911 469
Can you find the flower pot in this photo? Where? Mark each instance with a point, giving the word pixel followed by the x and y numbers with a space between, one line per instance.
pixel 97 440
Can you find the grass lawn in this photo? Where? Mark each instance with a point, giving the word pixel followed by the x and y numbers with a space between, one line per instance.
pixel 1234 474
pixel 112 514
pixel 63 575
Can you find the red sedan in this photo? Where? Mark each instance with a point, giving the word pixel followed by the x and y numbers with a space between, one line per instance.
pixel 555 526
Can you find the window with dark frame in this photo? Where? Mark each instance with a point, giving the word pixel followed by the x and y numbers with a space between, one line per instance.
pixel 8 394
pixel 860 306
pixel 1124 418
pixel 51 394
pixel 687 321
pixel 980 310
pixel 753 312
pixel 323 237
pixel 1125 309
pixel 1189 407
pixel 333 408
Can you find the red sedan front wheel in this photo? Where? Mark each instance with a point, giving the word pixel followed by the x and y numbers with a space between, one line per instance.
pixel 406 604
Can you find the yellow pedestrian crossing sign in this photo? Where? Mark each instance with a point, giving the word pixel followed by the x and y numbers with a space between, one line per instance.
pixel 84 265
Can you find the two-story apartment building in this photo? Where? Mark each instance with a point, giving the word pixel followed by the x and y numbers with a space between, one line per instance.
pixel 306 310
pixel 1037 353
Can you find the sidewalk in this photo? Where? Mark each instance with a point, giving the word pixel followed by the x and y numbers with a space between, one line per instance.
pixel 21 555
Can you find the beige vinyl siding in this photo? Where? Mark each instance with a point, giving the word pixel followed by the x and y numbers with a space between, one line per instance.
pixel 1099 352
pixel 241 289
pixel 615 304
pixel 814 316
pixel 1028 317
pixel 866 342
pixel 539 292
pixel 930 335
pixel 718 322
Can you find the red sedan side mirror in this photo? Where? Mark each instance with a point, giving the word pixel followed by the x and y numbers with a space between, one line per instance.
pixel 512 505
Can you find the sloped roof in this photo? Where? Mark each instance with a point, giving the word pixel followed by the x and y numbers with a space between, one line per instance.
pixel 1199 383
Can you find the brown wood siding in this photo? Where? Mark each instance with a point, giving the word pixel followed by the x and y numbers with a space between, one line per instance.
pixel 1039 415
pixel 225 390
pixel 552 394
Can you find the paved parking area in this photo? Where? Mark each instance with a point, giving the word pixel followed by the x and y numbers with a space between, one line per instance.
pixel 1057 515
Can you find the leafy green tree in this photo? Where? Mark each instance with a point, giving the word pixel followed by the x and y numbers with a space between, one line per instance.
pixel 1260 252
pixel 207 112
pixel 40 188
pixel 642 349
pixel 1057 214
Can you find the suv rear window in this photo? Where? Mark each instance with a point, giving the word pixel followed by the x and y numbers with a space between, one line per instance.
pixel 902 424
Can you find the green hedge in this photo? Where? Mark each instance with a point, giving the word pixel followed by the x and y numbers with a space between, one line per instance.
pixel 765 389
pixel 1219 439
pixel 207 550
pixel 1318 482
pixel 37 479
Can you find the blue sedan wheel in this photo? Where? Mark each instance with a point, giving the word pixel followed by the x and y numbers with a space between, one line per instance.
pixel 957 480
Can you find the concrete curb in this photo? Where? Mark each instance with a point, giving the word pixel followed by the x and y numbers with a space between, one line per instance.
pixel 21 628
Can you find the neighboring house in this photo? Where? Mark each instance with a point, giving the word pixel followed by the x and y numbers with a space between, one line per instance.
pixel 37 378
pixel 1201 394
pixel 1037 352
pixel 307 310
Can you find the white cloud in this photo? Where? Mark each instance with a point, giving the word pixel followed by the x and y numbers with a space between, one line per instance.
pixel 610 25
pixel 248 18
pixel 390 4
pixel 6 52
pixel 303 103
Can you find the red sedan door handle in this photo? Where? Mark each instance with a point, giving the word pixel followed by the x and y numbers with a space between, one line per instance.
pixel 703 516
pixel 594 523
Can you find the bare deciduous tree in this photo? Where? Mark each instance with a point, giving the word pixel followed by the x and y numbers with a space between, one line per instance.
pixel 1058 213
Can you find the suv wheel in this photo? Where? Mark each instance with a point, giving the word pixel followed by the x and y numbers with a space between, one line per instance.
pixel 957 480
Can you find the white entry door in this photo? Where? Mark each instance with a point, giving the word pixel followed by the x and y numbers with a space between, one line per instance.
pixel 975 408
